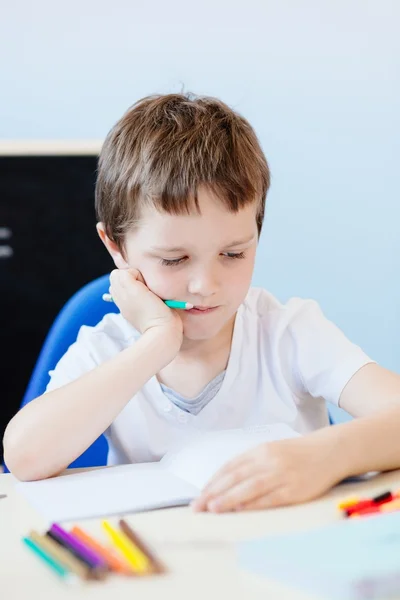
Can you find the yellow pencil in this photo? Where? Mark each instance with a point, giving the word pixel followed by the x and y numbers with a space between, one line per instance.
pixel 347 502
pixel 132 553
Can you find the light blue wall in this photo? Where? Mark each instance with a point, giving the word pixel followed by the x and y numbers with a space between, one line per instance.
pixel 319 80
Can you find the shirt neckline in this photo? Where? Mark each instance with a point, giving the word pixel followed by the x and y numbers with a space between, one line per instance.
pixel 231 373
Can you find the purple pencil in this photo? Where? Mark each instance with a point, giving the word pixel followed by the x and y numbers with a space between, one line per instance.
pixel 95 559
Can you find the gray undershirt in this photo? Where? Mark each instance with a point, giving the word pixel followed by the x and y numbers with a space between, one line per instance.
pixel 196 404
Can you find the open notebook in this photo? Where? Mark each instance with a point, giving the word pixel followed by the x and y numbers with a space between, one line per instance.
pixel 174 481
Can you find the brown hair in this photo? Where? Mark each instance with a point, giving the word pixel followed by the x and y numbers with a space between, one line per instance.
pixel 165 147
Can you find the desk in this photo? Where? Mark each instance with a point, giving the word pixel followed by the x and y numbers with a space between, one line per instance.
pixel 197 548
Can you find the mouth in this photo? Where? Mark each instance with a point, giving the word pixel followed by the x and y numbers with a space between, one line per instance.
pixel 202 310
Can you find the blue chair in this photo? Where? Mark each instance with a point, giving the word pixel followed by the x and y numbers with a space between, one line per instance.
pixel 85 307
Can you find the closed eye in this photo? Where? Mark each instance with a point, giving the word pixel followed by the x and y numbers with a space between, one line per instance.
pixel 172 262
pixel 234 254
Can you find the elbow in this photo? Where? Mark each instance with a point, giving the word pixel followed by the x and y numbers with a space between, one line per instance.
pixel 21 460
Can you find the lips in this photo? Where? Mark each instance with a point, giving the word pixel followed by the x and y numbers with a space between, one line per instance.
pixel 202 310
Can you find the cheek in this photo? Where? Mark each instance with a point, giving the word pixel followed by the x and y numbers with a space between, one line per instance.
pixel 162 281
pixel 240 278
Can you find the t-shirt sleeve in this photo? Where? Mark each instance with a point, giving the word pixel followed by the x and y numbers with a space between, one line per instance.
pixel 78 360
pixel 325 359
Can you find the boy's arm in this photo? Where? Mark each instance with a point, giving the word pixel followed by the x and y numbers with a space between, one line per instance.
pixel 301 469
pixel 53 430
pixel 371 442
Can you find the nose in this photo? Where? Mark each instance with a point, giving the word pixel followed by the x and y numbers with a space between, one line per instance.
pixel 203 283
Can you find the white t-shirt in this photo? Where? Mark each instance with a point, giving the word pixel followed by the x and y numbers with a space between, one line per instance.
pixel 285 361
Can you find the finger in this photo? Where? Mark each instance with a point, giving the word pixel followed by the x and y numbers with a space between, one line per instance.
pixel 137 275
pixel 226 470
pixel 116 288
pixel 127 281
pixel 256 456
pixel 275 498
pixel 115 297
pixel 241 494
pixel 240 467
pixel 230 482
pixel 114 276
pixel 225 482
pixel 116 283
pixel 199 504
pixel 126 276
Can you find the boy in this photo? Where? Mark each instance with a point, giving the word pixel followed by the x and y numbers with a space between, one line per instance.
pixel 180 201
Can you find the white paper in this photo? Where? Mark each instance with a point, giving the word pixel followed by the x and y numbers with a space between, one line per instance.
pixel 109 491
pixel 200 458
pixel 174 481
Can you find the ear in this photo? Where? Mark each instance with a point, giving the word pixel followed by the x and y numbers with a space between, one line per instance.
pixel 112 248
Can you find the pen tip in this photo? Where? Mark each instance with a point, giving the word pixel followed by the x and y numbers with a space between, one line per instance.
pixel 189 306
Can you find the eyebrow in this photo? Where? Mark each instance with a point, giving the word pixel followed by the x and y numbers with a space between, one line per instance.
pixel 181 249
pixel 240 242
pixel 166 249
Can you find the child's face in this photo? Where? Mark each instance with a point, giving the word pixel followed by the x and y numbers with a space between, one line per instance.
pixel 206 259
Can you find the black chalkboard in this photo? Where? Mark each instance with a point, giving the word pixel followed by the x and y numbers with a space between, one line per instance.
pixel 48 249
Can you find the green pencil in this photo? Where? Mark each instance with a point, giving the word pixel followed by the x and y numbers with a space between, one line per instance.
pixel 177 304
pixel 171 303
pixel 49 560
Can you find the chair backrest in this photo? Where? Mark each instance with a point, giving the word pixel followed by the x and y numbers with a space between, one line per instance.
pixel 85 307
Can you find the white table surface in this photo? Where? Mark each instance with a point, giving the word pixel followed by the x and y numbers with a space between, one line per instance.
pixel 198 549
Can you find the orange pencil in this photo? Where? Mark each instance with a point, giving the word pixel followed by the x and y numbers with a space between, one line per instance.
pixel 115 563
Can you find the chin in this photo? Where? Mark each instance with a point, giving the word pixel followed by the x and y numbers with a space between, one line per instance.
pixel 204 332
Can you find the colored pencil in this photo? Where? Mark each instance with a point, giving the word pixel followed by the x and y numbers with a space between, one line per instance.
pixel 171 303
pixel 88 554
pixel 49 560
pixel 157 566
pixel 113 561
pixel 133 555
pixel 61 555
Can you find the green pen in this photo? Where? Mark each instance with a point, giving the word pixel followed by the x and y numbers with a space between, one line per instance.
pixel 171 303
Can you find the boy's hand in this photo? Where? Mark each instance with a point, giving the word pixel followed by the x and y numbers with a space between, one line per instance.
pixel 270 475
pixel 143 309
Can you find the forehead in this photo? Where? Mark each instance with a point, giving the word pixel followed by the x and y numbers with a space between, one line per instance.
pixel 215 224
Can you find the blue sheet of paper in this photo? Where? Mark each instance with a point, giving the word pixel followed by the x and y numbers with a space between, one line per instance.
pixel 353 559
